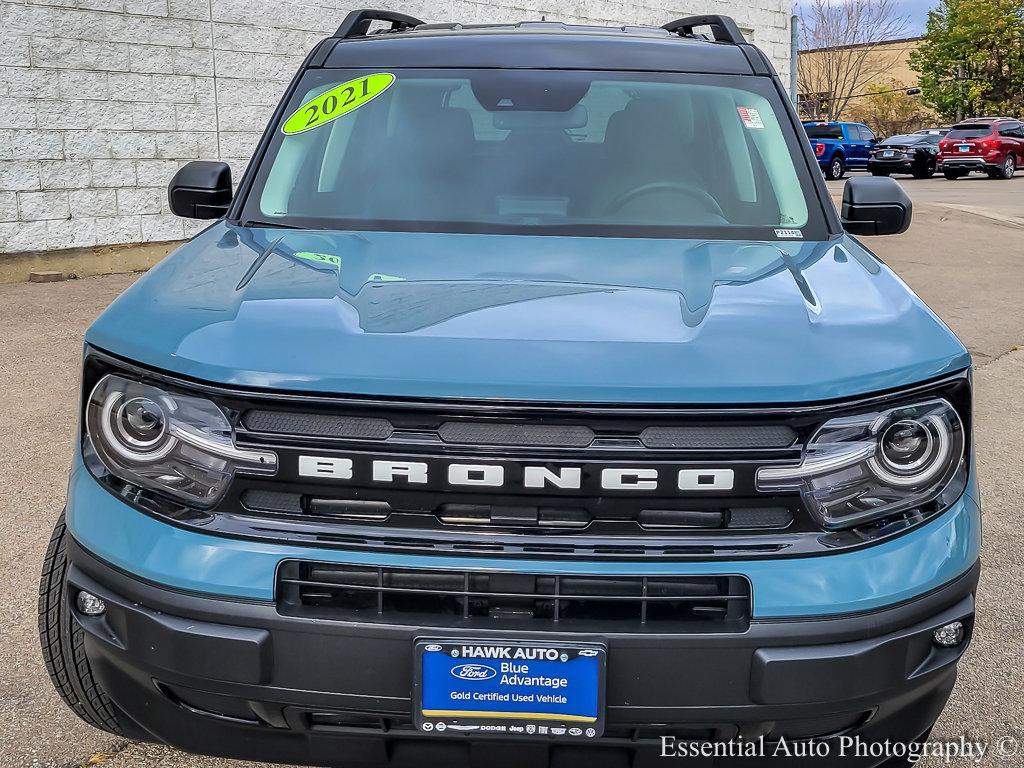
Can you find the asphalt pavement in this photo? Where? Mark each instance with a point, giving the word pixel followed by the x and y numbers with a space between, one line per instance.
pixel 964 256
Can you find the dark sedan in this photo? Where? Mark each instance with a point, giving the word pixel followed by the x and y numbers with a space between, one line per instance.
pixel 915 154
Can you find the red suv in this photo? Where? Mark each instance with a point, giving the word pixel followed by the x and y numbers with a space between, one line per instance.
pixel 994 145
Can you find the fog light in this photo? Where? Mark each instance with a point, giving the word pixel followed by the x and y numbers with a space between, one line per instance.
pixel 91 605
pixel 949 635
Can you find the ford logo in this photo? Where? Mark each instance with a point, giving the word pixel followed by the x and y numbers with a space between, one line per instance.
pixel 473 672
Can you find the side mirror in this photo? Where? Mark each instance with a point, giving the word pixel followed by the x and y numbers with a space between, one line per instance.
pixel 875 205
pixel 200 190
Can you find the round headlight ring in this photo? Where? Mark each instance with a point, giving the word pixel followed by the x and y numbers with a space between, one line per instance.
pixel 123 424
pixel 908 458
pixel 921 470
pixel 140 422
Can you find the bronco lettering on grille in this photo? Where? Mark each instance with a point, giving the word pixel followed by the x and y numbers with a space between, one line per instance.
pixel 459 474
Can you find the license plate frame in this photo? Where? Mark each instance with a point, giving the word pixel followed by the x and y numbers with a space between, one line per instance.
pixel 963 147
pixel 582 665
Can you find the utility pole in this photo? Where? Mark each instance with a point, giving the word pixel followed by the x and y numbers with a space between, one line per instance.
pixel 794 58
pixel 961 77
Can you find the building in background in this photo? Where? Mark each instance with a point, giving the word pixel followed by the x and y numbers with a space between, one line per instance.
pixel 102 100
pixel 879 93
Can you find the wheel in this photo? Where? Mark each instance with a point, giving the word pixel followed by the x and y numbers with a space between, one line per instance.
pixel 953 175
pixel 62 642
pixel 835 169
pixel 880 173
pixel 1009 168
pixel 927 172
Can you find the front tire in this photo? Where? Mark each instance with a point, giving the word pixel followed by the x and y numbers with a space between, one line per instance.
pixel 836 168
pixel 62 642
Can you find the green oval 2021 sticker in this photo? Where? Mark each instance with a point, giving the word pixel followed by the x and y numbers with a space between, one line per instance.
pixel 338 101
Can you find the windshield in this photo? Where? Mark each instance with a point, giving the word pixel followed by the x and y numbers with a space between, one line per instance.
pixel 824 131
pixel 969 132
pixel 536 152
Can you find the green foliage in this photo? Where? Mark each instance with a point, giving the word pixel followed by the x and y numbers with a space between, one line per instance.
pixel 889 110
pixel 972 59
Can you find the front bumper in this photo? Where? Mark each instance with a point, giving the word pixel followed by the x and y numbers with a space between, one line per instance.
pixel 194 653
pixel 235 678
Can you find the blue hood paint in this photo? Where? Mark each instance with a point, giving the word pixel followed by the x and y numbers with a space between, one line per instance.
pixel 529 318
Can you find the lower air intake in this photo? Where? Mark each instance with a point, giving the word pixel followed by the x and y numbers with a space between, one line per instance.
pixel 704 604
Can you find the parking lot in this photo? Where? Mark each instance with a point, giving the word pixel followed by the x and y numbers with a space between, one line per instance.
pixel 964 255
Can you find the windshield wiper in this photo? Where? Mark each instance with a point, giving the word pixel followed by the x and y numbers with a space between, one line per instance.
pixel 255 223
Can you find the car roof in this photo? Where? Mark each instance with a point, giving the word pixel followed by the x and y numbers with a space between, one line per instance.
pixel 987 120
pixel 541 45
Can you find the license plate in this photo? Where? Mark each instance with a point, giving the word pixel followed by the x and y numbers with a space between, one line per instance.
pixel 889 153
pixel 964 147
pixel 530 689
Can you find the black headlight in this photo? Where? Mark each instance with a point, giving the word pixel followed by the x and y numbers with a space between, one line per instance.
pixel 177 444
pixel 876 464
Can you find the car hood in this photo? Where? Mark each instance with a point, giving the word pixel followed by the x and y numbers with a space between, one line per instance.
pixel 529 318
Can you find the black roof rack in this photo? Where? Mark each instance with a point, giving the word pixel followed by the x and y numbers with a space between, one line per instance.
pixel 357 23
pixel 723 28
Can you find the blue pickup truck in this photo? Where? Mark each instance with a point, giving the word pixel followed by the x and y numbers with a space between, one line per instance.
pixel 840 146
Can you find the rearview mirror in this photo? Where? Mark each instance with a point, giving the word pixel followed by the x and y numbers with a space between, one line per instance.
pixel 875 205
pixel 200 190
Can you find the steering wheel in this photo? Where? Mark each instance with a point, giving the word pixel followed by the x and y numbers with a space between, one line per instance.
pixel 667 186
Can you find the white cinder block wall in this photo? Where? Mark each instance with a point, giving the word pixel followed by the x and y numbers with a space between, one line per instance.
pixel 102 100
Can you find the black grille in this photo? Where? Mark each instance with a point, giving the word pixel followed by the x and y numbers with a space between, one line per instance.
pixel 521 517
pixel 317 425
pixel 713 437
pixel 520 514
pixel 559 431
pixel 278 502
pixel 501 433
pixel 514 600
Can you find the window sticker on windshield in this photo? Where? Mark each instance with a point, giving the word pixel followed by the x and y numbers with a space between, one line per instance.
pixel 338 101
pixel 319 258
pixel 751 117
pixel 790 234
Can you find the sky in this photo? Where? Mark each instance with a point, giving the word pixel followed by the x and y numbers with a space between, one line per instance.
pixel 916 12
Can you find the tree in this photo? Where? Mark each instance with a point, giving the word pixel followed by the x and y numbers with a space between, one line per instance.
pixel 839 53
pixel 889 110
pixel 972 59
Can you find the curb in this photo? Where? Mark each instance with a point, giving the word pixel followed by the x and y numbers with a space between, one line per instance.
pixel 84 262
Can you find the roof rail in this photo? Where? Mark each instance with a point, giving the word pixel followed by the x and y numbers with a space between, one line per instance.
pixel 357 23
pixel 723 28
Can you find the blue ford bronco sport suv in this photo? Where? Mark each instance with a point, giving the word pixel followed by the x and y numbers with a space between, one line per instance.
pixel 527 404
